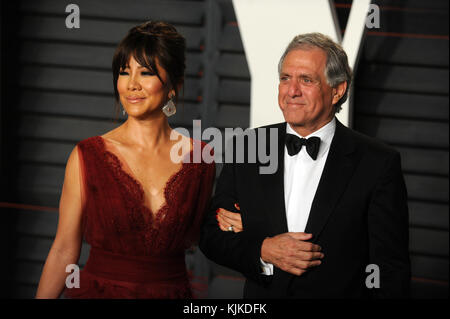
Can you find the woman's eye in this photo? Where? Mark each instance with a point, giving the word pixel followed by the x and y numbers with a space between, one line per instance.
pixel 123 73
pixel 148 73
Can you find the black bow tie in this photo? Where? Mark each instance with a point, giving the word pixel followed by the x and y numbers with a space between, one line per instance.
pixel 294 145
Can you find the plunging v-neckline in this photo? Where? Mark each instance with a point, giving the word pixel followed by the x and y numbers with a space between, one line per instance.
pixel 119 158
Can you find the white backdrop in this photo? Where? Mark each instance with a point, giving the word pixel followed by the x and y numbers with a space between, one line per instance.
pixel 267 27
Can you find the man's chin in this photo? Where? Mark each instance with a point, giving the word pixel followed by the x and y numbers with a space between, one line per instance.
pixel 296 124
pixel 294 120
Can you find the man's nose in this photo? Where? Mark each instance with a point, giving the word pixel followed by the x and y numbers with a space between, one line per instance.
pixel 294 89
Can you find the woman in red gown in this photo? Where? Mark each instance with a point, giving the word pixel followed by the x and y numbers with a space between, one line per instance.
pixel 135 194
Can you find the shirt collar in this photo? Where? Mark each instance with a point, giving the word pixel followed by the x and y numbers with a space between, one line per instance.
pixel 326 134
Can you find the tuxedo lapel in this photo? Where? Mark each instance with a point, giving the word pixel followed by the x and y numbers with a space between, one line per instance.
pixel 272 186
pixel 338 170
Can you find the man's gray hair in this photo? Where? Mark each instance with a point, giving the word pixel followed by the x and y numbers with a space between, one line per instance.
pixel 337 69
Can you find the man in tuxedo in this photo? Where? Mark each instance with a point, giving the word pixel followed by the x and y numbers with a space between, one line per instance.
pixel 332 221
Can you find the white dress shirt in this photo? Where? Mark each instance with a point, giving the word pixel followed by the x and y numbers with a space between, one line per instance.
pixel 301 178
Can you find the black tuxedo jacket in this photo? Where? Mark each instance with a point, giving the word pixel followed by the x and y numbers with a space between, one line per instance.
pixel 359 216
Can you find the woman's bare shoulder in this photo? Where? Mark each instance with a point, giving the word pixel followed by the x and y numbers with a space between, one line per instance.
pixel 114 136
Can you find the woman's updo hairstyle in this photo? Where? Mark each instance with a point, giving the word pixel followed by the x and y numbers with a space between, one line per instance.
pixel 150 42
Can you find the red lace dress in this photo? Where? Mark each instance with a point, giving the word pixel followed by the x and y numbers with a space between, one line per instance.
pixel 137 253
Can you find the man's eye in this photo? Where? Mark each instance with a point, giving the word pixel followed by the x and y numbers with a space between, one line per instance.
pixel 306 80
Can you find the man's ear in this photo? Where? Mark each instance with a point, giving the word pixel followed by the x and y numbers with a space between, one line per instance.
pixel 339 91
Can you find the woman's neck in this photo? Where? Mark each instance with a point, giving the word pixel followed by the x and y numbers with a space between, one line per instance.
pixel 148 133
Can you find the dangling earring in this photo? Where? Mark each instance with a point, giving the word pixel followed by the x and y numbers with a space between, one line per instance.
pixel 123 112
pixel 169 109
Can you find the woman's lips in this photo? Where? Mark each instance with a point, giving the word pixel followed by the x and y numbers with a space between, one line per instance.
pixel 135 99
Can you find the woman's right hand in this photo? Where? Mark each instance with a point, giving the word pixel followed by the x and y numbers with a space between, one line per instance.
pixel 229 221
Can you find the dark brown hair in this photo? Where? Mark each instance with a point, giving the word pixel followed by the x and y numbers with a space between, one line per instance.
pixel 148 43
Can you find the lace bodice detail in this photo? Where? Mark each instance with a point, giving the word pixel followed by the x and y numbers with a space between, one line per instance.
pixel 115 217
